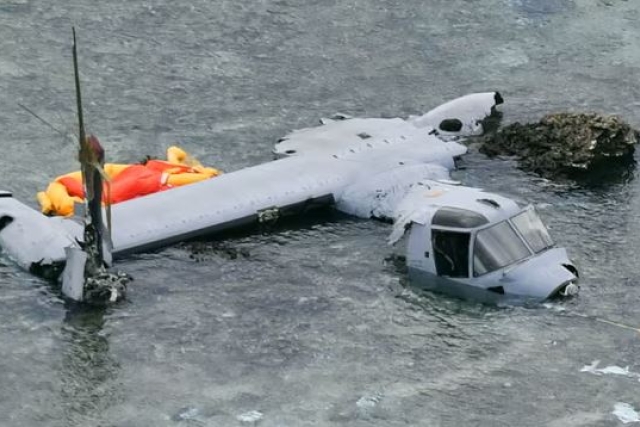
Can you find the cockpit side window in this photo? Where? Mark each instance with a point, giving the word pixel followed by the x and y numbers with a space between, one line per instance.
pixel 451 253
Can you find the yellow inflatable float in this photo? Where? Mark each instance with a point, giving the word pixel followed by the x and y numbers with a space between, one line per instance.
pixel 126 181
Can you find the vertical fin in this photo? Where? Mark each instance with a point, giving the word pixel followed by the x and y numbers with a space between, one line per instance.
pixel 89 154
pixel 85 277
pixel 82 135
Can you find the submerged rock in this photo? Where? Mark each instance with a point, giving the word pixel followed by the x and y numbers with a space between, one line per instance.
pixel 565 144
pixel 200 251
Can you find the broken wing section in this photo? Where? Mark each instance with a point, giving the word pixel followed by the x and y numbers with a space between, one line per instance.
pixel 342 136
pixel 30 238
pixel 462 116
pixel 380 195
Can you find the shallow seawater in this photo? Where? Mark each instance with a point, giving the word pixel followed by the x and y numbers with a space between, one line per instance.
pixel 309 323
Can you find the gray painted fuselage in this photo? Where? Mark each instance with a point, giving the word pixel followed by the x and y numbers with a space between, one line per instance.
pixel 383 168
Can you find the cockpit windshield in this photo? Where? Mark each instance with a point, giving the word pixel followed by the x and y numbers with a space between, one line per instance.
pixel 496 247
pixel 533 230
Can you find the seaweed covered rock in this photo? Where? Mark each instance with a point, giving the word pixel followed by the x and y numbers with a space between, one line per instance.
pixel 565 144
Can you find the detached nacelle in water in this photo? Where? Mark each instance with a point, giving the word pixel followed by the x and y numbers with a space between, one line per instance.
pixel 462 240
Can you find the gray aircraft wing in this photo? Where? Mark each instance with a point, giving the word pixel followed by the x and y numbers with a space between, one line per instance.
pixel 364 166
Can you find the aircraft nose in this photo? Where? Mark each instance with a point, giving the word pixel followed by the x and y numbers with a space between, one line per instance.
pixel 547 275
pixel 569 288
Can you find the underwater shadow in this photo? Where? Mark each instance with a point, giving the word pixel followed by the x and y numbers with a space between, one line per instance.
pixel 88 372
pixel 604 176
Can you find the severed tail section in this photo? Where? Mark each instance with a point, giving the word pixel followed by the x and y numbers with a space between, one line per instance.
pixel 85 277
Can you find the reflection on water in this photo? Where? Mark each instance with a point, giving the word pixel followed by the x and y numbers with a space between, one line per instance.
pixel 87 371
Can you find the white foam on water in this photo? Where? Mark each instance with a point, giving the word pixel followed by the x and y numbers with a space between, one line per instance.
pixel 626 413
pixel 250 417
pixel 555 307
pixel 609 370
pixel 188 413
pixel 368 402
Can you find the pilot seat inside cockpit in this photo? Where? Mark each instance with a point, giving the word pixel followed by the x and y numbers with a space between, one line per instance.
pixel 451 253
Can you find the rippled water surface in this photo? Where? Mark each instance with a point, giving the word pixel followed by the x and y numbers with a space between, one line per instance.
pixel 309 324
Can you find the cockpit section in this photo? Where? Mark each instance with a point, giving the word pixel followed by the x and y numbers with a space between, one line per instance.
pixel 509 241
pixel 466 245
pixel 487 249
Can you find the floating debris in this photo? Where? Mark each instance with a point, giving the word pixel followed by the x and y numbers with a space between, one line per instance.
pixel 565 144
pixel 609 370
pixel 626 413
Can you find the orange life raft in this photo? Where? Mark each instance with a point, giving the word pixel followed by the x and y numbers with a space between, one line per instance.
pixel 126 181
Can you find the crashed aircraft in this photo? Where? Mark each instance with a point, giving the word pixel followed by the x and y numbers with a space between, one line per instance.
pixel 461 240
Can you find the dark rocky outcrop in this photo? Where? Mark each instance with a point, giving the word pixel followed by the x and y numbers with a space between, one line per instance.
pixel 565 144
